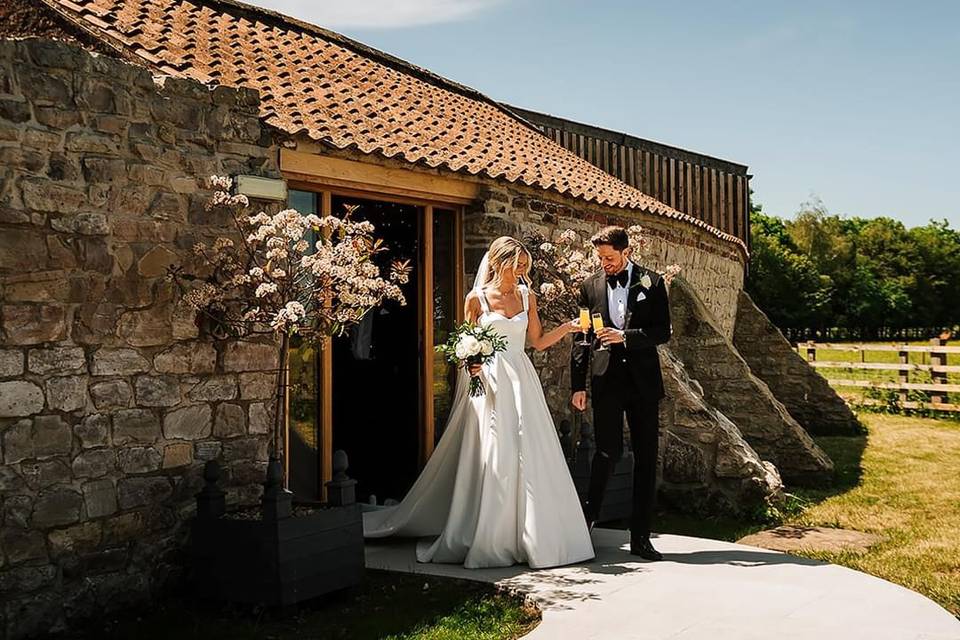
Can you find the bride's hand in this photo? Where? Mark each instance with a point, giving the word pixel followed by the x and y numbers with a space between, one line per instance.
pixel 475 370
pixel 573 326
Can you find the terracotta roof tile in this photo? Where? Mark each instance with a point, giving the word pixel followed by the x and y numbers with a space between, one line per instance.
pixel 319 83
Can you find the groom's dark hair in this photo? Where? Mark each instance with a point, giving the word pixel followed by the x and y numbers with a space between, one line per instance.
pixel 616 237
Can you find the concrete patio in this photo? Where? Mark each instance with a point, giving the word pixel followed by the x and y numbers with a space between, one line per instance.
pixel 704 589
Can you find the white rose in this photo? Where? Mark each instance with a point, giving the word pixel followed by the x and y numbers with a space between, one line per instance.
pixel 486 348
pixel 645 281
pixel 470 345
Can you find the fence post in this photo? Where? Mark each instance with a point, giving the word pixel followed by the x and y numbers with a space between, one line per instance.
pixel 903 375
pixel 938 359
pixel 811 351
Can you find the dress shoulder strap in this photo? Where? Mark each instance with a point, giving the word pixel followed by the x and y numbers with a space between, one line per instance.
pixel 525 295
pixel 482 297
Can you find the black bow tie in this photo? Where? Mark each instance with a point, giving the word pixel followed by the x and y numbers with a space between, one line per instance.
pixel 621 278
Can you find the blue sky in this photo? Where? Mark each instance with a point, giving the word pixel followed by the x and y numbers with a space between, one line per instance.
pixel 855 102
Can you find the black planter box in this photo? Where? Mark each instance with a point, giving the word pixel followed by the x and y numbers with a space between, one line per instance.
pixel 280 562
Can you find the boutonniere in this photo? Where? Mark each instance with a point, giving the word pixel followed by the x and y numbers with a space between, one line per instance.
pixel 645 281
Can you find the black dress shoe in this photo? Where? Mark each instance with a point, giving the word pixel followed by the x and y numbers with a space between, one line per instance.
pixel 644 549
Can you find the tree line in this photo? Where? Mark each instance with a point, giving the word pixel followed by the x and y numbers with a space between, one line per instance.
pixel 824 276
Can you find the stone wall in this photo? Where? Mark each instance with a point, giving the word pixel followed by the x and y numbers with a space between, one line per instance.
pixel 730 386
pixel 707 466
pixel 110 400
pixel 805 393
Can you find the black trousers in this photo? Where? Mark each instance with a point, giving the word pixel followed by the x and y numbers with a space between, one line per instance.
pixel 616 395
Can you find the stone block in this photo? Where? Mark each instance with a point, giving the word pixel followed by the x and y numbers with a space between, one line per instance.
pixel 157 391
pixel 100 498
pixel 123 528
pixel 13 110
pixel 40 475
pixel 11 363
pixel 231 421
pixel 21 250
pixel 93 431
pixel 188 423
pixel 44 195
pixel 26 579
pixel 57 508
pixel 23 545
pixel 207 450
pixel 146 328
pixel 34 323
pixel 118 362
pixel 80 538
pixel 190 357
pixel 139 459
pixel 67 393
pixel 111 394
pixel 46 88
pixel 214 388
pixel 155 262
pixel 56 118
pixel 141 492
pixel 89 142
pixel 261 419
pixel 250 356
pixel 249 449
pixel 86 224
pixel 43 436
pixel 178 454
pixel 135 426
pixel 95 463
pixel 683 462
pixel 257 386
pixel 56 360
pixel 17 510
pixel 20 398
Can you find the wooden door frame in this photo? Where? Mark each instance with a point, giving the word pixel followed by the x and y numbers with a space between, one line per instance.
pixel 426 432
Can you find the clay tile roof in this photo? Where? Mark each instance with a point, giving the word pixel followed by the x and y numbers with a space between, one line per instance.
pixel 343 93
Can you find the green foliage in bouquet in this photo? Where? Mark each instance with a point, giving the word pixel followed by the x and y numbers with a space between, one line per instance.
pixel 469 345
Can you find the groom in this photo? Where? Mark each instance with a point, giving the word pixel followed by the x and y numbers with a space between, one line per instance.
pixel 625 378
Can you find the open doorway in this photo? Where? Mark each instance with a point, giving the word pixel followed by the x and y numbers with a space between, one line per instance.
pixel 376 368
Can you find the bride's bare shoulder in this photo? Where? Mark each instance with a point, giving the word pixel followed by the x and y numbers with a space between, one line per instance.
pixel 472 301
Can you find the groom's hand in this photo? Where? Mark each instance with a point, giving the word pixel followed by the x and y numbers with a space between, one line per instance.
pixel 579 400
pixel 609 335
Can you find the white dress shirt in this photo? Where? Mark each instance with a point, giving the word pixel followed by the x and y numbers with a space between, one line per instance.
pixel 617 300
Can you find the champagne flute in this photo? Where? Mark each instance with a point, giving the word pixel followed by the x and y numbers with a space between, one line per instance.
pixel 597 325
pixel 584 326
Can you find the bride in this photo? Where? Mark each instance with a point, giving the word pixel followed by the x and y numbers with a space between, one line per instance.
pixel 496 490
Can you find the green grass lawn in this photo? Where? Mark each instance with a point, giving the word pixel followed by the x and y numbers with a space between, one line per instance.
pixel 901 482
pixel 388 606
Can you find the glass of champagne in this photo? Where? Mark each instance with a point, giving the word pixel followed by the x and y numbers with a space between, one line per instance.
pixel 584 326
pixel 597 325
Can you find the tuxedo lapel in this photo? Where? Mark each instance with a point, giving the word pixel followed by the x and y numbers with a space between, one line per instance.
pixel 632 290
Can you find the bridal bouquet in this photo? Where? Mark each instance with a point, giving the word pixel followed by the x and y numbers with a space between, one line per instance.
pixel 470 345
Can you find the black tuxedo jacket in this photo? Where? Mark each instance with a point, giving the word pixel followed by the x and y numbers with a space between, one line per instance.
pixel 647 325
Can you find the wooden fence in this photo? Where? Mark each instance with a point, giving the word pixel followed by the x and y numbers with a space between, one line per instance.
pixel 937 389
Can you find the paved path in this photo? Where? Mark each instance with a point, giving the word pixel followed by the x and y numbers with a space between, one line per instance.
pixel 703 590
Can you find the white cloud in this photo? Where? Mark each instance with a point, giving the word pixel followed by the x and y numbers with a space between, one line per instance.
pixel 377 14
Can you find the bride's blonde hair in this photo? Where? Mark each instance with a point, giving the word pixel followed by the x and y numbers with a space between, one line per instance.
pixel 504 251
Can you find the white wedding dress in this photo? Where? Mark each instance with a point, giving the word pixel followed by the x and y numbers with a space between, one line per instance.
pixel 496 490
